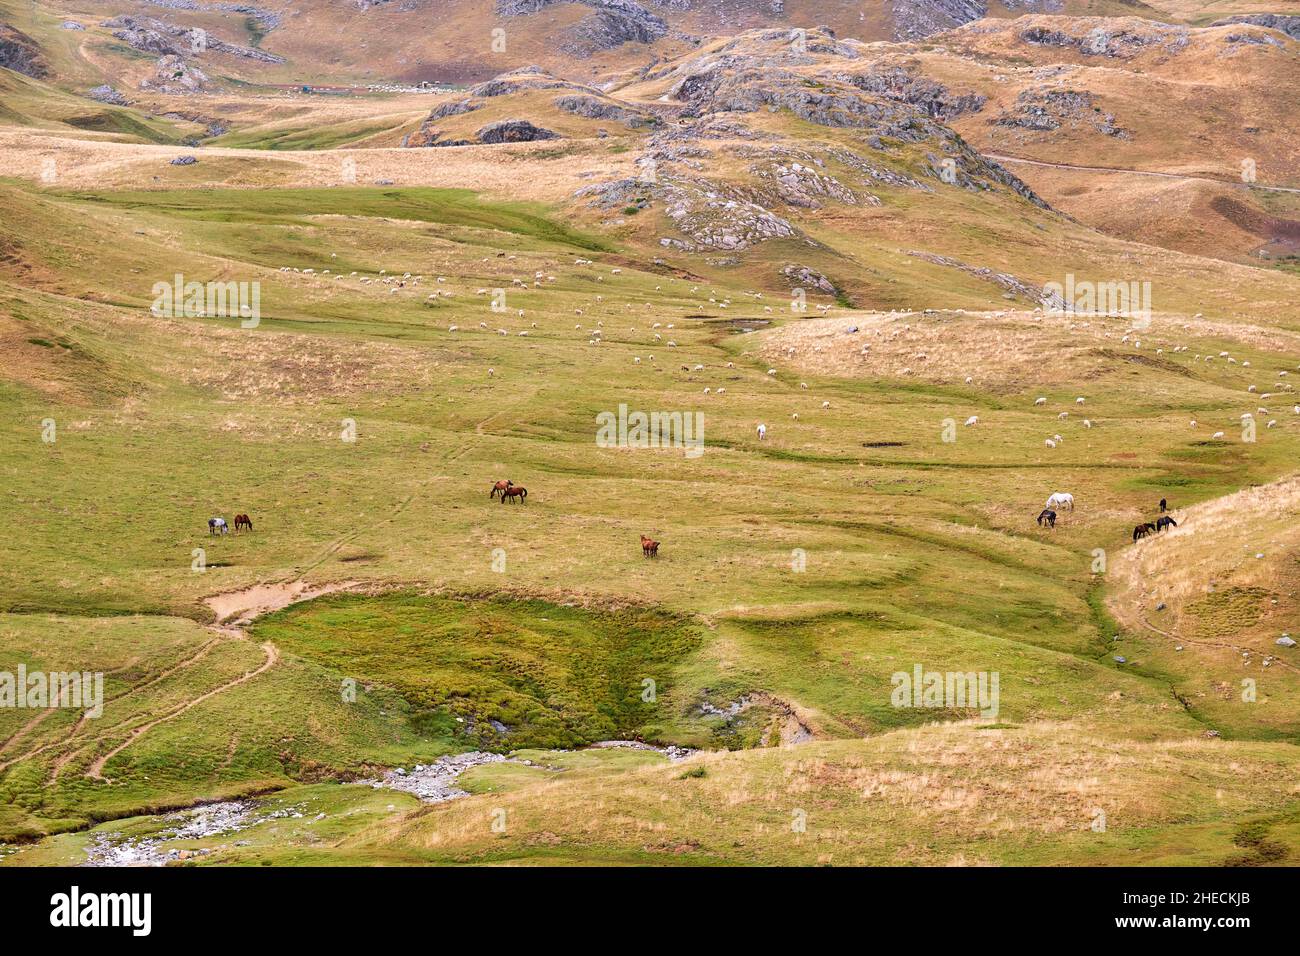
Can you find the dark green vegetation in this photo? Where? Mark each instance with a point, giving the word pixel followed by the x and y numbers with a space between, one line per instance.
pixel 546 675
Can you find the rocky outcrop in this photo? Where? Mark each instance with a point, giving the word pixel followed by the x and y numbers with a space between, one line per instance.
pixel 577 99
pixel 1109 39
pixel 169 39
pixel 513 131
pixel 802 277
pixel 22 54
pixel 174 76
pixel 517 81
pixel 934 99
pixel 916 19
pixel 594 107
pixel 1049 109
pixel 727 179
pixel 1013 287
pixel 428 135
pixel 266 20
pixel 107 94
pixel 1290 25
pixel 612 24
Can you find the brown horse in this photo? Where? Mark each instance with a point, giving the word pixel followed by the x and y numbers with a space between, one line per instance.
pixel 513 492
pixel 500 487
pixel 243 521
pixel 649 549
pixel 1142 530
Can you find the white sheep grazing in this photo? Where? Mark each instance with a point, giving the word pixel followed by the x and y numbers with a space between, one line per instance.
pixel 699 368
pixel 1251 389
pixel 1079 400
pixel 1040 401
pixel 707 391
pixel 1057 438
pixel 1193 422
pixel 1086 423
pixel 636 360
pixel 1296 409
pixel 1063 415
pixel 826 404
pixel 452 328
pixel 795 415
pixel 721 391
pixel 762 432
pixel 731 365
pixel 771 371
pixel 491 371
pixel 1272 422
pixel 1216 435
pixel 973 420
pixel 1049 443
pixel 968 378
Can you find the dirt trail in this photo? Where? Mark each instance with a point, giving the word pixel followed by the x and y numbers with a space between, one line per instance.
pixel 236 609
pixel 272 656
pixel 63 760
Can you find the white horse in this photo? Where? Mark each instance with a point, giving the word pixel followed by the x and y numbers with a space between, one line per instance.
pixel 1061 499
pixel 217 526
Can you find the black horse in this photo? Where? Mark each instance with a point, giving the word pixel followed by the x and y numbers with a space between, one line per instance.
pixel 1047 517
pixel 1142 530
pixel 1164 521
pixel 1164 505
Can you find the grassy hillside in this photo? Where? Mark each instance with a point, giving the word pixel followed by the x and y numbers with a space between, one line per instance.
pixel 420 340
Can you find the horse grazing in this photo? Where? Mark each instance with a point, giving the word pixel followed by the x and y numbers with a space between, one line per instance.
pixel 1047 517
pixel 1142 530
pixel 514 491
pixel 649 549
pixel 217 526
pixel 243 521
pixel 1164 521
pixel 1060 499
pixel 1164 505
pixel 499 488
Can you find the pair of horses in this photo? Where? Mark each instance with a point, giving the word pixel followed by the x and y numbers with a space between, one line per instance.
pixel 649 549
pixel 508 489
pixel 219 526
pixel 1148 527
pixel 1058 499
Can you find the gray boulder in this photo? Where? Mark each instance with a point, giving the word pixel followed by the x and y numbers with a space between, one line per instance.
pixel 513 131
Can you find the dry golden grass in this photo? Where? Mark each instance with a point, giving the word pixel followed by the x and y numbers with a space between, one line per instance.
pixel 523 171
pixel 1227 574
pixel 1005 351
pixel 906 797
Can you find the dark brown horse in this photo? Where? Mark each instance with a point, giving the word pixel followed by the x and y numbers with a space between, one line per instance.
pixel 1164 521
pixel 1047 517
pixel 1142 530
pixel 243 521
pixel 500 487
pixel 514 491
pixel 649 549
